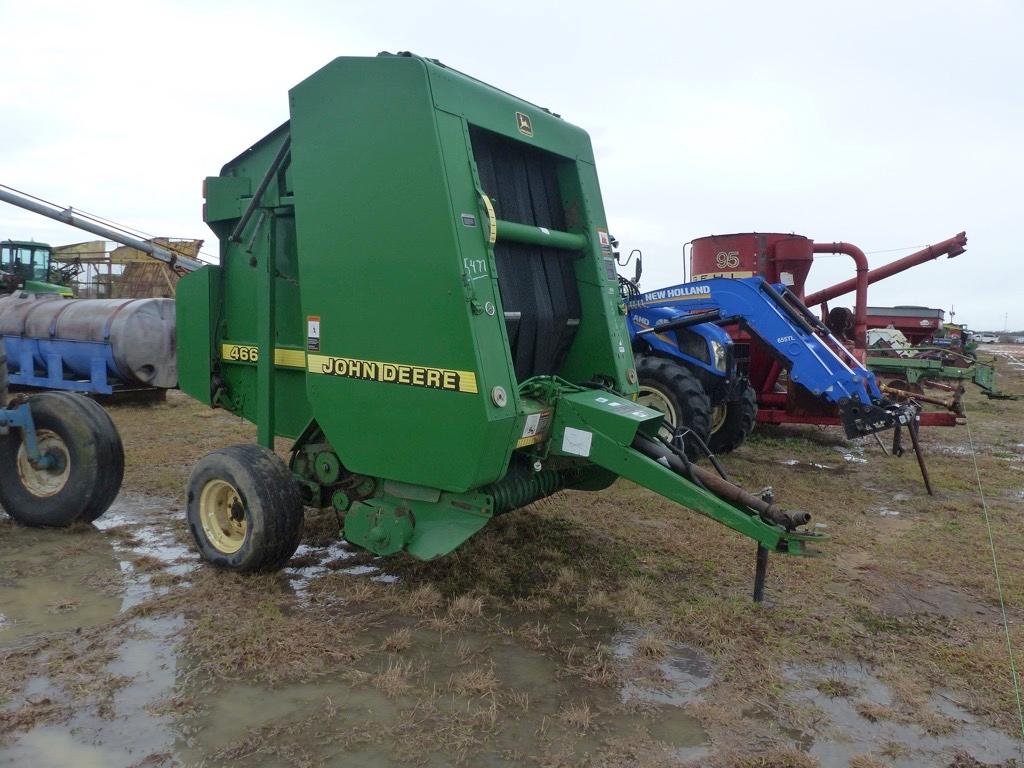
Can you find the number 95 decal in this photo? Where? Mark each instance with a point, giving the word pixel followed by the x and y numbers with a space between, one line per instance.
pixel 727 259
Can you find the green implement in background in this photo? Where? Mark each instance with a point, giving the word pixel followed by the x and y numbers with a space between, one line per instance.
pixel 921 370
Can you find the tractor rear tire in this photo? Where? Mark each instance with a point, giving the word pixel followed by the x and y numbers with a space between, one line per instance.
pixel 670 388
pixel 244 509
pixel 740 417
pixel 80 436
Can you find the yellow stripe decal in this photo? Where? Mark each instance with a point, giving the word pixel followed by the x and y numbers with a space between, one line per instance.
pixel 290 358
pixel 393 373
pixel 709 275
pixel 523 442
pixel 368 370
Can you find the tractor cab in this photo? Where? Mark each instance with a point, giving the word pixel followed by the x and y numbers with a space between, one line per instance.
pixel 27 265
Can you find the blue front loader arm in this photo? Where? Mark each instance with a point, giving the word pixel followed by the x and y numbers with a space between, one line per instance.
pixel 814 358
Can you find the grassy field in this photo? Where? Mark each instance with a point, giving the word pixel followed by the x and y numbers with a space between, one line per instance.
pixel 588 629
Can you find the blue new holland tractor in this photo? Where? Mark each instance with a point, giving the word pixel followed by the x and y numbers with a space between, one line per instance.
pixel 687 366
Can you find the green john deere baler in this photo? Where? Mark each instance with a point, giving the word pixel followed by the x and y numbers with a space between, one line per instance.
pixel 417 288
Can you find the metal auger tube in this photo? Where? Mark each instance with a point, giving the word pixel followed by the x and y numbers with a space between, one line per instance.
pixel 69 217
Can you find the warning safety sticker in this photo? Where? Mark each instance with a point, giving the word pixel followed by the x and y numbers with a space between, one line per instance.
pixel 313 333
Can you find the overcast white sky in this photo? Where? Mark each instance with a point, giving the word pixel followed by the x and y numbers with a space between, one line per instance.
pixel 888 124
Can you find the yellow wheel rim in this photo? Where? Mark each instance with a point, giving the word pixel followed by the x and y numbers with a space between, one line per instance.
pixel 718 414
pixel 222 516
pixel 45 482
pixel 658 400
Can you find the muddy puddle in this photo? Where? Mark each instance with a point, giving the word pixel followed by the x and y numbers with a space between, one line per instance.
pixel 55 581
pixel 849 455
pixel 811 466
pixel 101 672
pixel 845 710
pixel 852 457
pixel 661 673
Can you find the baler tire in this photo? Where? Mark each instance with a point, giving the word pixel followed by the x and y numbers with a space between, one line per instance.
pixel 109 448
pixel 740 417
pixel 683 393
pixel 258 492
pixel 80 433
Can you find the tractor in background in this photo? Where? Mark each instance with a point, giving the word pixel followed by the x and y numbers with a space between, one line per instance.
pixel 786 260
pixel 26 265
pixel 777 362
pixel 676 330
pixel 688 372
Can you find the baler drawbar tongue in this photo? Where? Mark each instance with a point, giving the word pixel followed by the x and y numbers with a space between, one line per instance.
pixel 622 437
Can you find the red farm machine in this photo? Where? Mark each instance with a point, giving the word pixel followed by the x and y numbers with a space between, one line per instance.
pixel 919 325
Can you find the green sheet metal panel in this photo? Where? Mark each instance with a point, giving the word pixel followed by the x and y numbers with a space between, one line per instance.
pixel 488 107
pixel 196 301
pixel 218 333
pixel 381 266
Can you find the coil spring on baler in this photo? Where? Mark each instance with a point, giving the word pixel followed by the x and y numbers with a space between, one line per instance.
pixel 522 485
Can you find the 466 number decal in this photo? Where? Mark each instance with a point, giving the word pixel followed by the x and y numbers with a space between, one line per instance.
pixel 241 353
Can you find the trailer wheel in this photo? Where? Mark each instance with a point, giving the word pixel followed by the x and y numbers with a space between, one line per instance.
pixel 736 424
pixel 86 463
pixel 670 388
pixel 244 509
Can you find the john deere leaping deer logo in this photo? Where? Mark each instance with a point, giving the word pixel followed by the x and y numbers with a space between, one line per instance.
pixel 524 124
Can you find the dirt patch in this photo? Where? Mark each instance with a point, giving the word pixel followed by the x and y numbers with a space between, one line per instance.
pixel 906 599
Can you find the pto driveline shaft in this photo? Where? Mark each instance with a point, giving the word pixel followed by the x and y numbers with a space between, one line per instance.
pixel 733 493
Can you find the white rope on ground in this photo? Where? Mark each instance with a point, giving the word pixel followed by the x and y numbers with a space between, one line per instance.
pixel 999 584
